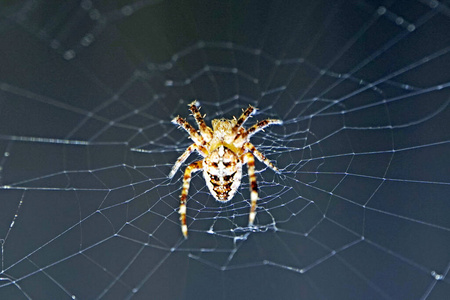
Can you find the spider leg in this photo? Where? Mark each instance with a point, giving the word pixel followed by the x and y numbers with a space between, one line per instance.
pixel 195 166
pixel 205 131
pixel 250 147
pixel 191 130
pixel 260 126
pixel 245 114
pixel 185 155
pixel 250 160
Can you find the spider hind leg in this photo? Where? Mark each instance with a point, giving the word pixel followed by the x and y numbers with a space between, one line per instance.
pixel 195 166
pixel 249 159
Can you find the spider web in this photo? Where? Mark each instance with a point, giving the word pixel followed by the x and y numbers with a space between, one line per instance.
pixel 360 208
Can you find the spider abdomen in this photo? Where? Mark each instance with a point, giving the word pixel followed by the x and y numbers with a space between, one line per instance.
pixel 222 171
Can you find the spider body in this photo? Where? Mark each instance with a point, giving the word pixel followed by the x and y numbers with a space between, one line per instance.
pixel 225 149
pixel 222 171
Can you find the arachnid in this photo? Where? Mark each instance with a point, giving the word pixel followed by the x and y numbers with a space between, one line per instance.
pixel 224 148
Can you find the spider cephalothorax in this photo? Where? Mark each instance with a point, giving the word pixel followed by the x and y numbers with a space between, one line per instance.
pixel 225 148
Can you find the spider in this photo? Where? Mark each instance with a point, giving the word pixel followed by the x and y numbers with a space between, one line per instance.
pixel 224 148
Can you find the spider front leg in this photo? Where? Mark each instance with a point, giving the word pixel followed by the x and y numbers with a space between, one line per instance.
pixel 245 114
pixel 195 166
pixel 260 126
pixel 205 131
pixel 193 134
pixel 250 160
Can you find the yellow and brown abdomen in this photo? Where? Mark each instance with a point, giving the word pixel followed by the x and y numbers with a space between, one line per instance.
pixel 222 170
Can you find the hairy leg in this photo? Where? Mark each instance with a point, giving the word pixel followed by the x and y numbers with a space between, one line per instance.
pixel 195 166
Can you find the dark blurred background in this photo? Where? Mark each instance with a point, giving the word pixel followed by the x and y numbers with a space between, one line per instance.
pixel 360 209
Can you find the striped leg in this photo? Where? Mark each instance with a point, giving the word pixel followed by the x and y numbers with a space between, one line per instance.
pixel 250 147
pixel 191 130
pixel 260 126
pixel 205 131
pixel 195 166
pixel 185 155
pixel 245 114
pixel 250 160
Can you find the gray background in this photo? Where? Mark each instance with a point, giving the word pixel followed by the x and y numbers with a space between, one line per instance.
pixel 360 209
